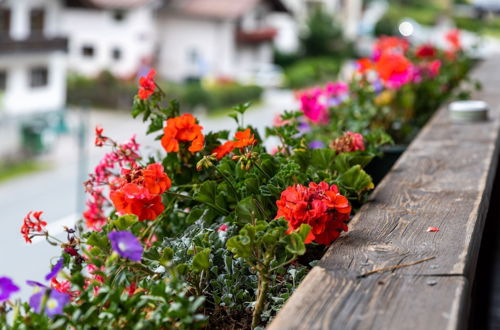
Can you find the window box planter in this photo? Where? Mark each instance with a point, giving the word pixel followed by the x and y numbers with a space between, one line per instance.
pixel 443 180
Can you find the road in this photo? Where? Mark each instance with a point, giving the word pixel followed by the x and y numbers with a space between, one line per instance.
pixel 55 191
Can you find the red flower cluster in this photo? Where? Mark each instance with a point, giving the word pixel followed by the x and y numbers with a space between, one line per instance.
pixel 320 206
pixel 394 69
pixel 147 85
pixel 99 138
pixel 63 286
pixel 387 44
pixel 241 140
pixel 32 227
pixel 453 38
pixel 348 142
pixel 363 65
pixel 426 51
pixel 138 191
pixel 182 129
pixel 94 215
pixel 104 174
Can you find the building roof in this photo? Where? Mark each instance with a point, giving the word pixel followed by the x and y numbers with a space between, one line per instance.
pixel 106 4
pixel 220 8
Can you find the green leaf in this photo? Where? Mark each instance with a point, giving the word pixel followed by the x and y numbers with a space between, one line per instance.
pixel 346 160
pixel 295 244
pixel 322 158
pixel 356 179
pixel 246 210
pixel 124 222
pixel 99 240
pixel 166 256
pixel 304 230
pixel 155 125
pixel 201 260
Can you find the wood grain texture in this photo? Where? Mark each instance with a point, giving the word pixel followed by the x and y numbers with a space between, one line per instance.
pixel 443 180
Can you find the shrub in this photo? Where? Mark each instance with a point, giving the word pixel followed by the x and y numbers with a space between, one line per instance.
pixel 104 91
pixel 109 92
pixel 311 71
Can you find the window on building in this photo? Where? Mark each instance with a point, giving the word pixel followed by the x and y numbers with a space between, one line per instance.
pixel 39 77
pixel 88 51
pixel 37 21
pixel 4 22
pixel 116 54
pixel 119 15
pixel 3 80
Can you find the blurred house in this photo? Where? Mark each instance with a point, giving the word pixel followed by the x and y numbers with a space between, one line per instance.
pixel 218 38
pixel 32 69
pixel 114 35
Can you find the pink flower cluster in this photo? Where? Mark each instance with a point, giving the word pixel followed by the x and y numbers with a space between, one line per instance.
pixel 107 173
pixel 316 101
pixel 348 142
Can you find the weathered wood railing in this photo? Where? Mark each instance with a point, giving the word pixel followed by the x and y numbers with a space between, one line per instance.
pixel 444 180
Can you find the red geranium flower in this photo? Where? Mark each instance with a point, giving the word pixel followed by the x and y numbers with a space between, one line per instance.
pixel 453 38
pixel 99 138
pixel 156 180
pixel 319 205
pixel 147 85
pixel 32 227
pixel 387 44
pixel 242 139
pixel 138 191
pixel 426 51
pixel 394 69
pixel 223 150
pixel 363 65
pixel 182 129
pixel 134 199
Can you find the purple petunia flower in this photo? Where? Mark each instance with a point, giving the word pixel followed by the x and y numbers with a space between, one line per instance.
pixel 316 144
pixel 126 245
pixel 304 127
pixel 7 287
pixel 54 304
pixel 56 269
pixel 377 86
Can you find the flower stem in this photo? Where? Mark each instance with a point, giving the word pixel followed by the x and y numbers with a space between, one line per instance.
pixel 261 299
pixel 261 170
pixel 233 188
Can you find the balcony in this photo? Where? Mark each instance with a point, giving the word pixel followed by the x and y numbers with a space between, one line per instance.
pixel 256 36
pixel 34 44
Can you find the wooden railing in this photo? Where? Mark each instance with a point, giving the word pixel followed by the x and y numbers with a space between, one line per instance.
pixel 443 180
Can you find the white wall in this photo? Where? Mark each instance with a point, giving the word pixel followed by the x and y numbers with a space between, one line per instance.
pixel 287 39
pixel 20 16
pixel 21 99
pixel 213 41
pixel 135 36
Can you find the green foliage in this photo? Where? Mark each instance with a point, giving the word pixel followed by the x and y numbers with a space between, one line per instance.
pixel 104 91
pixel 108 92
pixel 311 71
pixel 258 244
pixel 323 37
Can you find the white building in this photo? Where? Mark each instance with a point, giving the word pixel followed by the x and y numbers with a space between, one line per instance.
pixel 217 38
pixel 114 35
pixel 32 57
pixel 32 67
